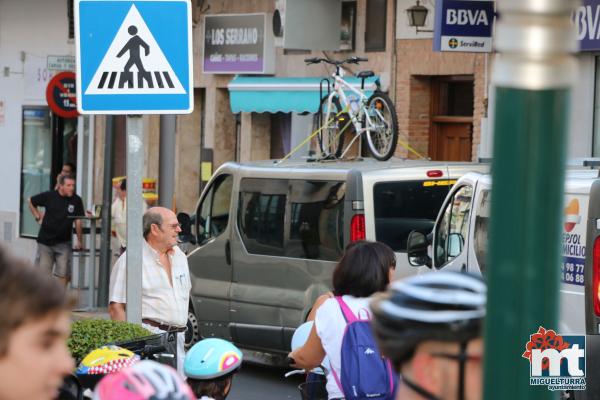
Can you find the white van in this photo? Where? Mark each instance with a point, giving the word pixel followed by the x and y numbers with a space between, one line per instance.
pixel 459 241
pixel 268 236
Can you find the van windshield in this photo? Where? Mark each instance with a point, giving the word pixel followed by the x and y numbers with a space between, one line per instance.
pixel 401 207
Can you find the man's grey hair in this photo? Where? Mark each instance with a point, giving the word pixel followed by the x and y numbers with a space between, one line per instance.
pixel 151 217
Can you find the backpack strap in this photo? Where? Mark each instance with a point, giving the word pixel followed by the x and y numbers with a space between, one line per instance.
pixel 346 311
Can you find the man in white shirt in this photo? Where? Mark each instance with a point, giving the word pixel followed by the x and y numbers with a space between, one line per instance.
pixel 166 280
pixel 119 215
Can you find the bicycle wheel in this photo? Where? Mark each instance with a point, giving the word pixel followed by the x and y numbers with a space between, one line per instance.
pixel 331 122
pixel 382 132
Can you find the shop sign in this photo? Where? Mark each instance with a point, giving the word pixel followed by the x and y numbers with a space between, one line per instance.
pixel 238 44
pixel 586 19
pixel 463 26
pixel 61 63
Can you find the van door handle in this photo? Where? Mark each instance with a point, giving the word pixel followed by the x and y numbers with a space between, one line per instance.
pixel 463 268
pixel 228 252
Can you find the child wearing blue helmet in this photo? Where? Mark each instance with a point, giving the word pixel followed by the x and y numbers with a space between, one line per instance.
pixel 209 367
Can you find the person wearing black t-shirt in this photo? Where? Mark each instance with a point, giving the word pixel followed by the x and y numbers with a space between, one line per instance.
pixel 55 236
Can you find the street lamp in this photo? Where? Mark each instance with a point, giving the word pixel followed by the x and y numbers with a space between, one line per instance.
pixel 417 15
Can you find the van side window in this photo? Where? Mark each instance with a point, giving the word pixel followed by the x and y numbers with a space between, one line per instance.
pixel 405 206
pixel 454 227
pixel 261 215
pixel 482 219
pixel 213 212
pixel 317 217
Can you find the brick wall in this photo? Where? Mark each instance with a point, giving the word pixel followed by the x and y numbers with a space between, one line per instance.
pixel 416 64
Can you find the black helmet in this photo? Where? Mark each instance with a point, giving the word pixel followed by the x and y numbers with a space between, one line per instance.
pixel 440 306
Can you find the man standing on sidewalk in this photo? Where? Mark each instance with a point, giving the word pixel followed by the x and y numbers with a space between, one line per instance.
pixel 54 239
pixel 166 280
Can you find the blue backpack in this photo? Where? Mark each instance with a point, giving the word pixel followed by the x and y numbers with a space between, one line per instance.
pixel 364 373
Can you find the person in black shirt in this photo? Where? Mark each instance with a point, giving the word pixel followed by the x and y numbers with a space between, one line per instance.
pixel 54 238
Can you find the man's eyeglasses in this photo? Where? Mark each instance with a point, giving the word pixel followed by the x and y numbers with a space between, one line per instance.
pixel 460 357
pixel 172 226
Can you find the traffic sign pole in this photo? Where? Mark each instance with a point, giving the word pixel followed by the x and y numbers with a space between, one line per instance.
pixel 135 165
pixel 533 73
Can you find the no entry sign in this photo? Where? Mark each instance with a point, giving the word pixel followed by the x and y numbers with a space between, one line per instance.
pixel 61 96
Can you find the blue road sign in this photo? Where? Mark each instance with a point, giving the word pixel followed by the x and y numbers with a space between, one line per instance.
pixel 134 57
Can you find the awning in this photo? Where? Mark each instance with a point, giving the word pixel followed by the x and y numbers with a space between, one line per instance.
pixel 268 94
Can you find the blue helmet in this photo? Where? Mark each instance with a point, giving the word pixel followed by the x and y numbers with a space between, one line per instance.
pixel 211 358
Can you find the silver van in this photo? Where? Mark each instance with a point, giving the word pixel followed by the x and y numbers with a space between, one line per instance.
pixel 268 236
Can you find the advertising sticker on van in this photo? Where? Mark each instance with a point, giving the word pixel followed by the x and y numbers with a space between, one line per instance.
pixel 439 183
pixel 556 361
pixel 573 242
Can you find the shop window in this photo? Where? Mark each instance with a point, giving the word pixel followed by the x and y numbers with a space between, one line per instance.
pixel 281 129
pixel 48 142
pixel 36 162
pixel 376 25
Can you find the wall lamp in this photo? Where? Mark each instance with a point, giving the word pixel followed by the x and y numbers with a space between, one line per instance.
pixel 417 15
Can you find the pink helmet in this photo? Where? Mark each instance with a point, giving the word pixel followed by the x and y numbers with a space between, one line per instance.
pixel 143 381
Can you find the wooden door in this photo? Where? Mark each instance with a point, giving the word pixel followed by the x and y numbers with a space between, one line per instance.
pixel 452 118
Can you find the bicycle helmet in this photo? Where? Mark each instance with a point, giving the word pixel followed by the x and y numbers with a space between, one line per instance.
pixel 211 358
pixel 144 381
pixel 105 360
pixel 441 306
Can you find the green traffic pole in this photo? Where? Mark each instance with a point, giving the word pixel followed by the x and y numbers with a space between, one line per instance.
pixel 532 75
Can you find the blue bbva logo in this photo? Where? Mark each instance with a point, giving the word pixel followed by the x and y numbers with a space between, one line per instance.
pixel 466 17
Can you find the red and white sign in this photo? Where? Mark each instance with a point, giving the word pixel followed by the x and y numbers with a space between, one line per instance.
pixel 61 96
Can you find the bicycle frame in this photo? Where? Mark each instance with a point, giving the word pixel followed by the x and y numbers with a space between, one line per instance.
pixel 339 87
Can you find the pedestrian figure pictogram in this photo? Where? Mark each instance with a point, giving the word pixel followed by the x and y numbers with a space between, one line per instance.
pixel 133 46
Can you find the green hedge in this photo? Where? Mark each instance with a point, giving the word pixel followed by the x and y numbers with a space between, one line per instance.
pixel 87 335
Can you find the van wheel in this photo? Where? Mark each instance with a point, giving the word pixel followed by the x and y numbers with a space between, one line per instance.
pixel 192 334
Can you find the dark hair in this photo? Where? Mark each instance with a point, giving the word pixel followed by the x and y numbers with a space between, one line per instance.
pixel 70 165
pixel 63 178
pixel 123 185
pixel 28 294
pixel 363 269
pixel 214 388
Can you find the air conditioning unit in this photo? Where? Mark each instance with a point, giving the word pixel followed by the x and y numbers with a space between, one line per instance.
pixel 307 24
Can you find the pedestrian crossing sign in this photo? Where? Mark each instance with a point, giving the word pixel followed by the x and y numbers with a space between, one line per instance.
pixel 134 57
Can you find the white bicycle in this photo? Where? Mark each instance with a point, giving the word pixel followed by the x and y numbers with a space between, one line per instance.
pixel 347 108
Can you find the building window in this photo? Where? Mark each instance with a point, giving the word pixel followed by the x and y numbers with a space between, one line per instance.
pixel 376 25
pixel 36 162
pixel 70 17
pixel 348 25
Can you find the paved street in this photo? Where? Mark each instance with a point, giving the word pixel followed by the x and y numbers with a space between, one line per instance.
pixel 263 383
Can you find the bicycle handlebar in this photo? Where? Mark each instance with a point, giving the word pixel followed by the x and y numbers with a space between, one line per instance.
pixel 337 63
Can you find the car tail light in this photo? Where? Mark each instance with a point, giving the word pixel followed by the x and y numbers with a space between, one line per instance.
pixel 435 173
pixel 357 227
pixel 596 276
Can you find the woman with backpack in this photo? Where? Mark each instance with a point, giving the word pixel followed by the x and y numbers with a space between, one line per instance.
pixel 342 329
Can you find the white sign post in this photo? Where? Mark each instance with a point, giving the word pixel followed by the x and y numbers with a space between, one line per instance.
pixel 133 58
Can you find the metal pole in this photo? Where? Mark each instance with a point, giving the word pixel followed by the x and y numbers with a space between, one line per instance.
pixel 135 165
pixel 105 256
pixel 166 159
pixel 532 74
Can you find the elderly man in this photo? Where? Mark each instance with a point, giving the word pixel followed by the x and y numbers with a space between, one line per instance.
pixel 166 280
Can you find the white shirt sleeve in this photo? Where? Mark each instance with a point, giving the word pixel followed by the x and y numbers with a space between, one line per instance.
pixel 118 284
